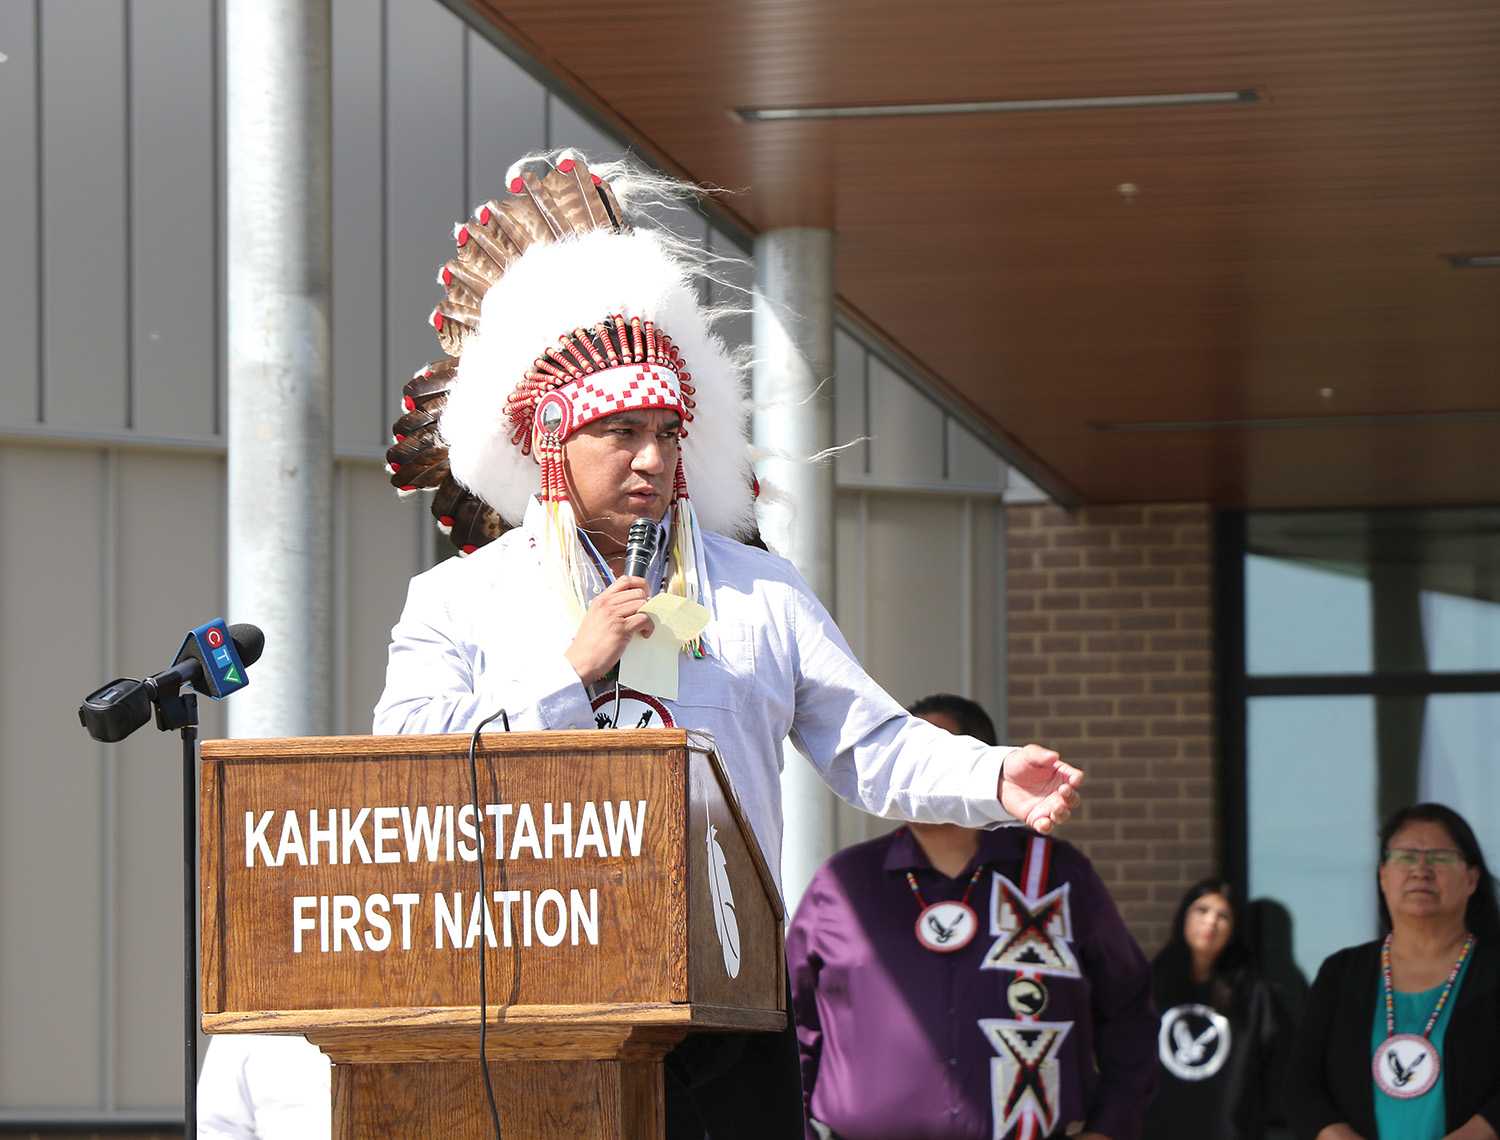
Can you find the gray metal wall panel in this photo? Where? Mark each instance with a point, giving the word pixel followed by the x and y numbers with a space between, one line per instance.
pixel 382 553
pixel 507 117
pixel 19 235
pixel 987 616
pixel 221 214
pixel 850 360
pixel 914 650
pixel 52 608
pixel 148 623
pixel 734 293
pixel 85 298
pixel 955 640
pixel 424 175
pixel 566 127
pixel 364 396
pixel 970 462
pixel 906 430
pixel 684 221
pixel 174 269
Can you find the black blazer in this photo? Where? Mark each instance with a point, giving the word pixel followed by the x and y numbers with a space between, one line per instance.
pixel 1330 1082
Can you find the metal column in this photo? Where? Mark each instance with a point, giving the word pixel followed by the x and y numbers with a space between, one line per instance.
pixel 793 393
pixel 280 424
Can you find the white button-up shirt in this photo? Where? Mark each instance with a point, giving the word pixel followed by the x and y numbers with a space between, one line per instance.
pixel 488 632
pixel 258 1087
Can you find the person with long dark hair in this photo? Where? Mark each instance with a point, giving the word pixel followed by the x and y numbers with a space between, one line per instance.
pixel 1400 1039
pixel 1221 1025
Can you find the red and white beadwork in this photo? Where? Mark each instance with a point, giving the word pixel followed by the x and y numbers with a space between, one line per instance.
pixel 627 388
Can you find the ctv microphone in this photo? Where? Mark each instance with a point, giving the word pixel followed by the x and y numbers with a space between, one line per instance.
pixel 213 659
pixel 640 546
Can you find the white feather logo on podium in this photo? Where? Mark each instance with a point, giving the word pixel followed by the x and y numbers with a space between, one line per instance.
pixel 725 924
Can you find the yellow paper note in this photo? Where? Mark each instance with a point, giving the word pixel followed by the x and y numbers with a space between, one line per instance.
pixel 684 619
pixel 649 664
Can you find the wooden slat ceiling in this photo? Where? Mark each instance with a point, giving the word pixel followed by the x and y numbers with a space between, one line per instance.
pixel 1280 261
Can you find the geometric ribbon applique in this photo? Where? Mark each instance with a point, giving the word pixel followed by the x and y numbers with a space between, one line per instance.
pixel 1024 1080
pixel 1031 935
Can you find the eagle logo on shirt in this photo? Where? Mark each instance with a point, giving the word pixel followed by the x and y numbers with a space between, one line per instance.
pixel 1193 1041
pixel 1031 935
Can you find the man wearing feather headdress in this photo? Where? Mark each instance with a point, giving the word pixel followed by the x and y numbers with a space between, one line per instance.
pixel 583 389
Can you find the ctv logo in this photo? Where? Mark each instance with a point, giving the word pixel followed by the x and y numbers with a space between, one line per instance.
pixel 212 645
pixel 224 663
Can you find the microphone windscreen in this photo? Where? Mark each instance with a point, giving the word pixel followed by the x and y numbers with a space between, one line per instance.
pixel 249 642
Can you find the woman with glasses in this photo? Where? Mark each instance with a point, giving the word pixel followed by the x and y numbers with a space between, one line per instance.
pixel 1400 1039
pixel 1221 1030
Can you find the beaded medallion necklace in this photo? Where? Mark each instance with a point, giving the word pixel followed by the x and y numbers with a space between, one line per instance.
pixel 944 927
pixel 1407 1065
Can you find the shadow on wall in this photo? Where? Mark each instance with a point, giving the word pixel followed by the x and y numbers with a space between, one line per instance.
pixel 1268 928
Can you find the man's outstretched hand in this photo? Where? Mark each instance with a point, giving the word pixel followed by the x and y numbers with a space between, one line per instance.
pixel 1037 788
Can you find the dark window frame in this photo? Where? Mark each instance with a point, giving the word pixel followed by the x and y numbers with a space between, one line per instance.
pixel 1234 688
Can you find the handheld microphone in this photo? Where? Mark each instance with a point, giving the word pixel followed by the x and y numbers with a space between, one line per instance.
pixel 213 659
pixel 640 547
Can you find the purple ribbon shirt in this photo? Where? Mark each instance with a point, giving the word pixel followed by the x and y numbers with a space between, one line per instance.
pixel 901 1043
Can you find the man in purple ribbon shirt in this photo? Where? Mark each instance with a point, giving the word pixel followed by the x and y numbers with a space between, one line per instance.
pixel 951 982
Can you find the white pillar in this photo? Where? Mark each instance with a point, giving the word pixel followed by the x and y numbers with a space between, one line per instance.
pixel 793 394
pixel 279 149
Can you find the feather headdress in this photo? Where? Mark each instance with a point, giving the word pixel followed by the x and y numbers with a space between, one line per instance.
pixel 557 311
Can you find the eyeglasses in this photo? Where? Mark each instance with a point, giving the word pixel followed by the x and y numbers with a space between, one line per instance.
pixel 1432 856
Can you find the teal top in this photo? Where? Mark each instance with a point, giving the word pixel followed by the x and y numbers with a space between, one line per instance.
pixel 1423 1117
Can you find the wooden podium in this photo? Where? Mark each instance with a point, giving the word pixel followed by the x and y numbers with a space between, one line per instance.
pixel 630 905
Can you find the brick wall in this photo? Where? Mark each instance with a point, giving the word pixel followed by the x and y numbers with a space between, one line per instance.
pixel 1110 661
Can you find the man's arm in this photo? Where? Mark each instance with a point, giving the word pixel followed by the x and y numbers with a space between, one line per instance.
pixel 887 762
pixel 431 684
pixel 1124 1019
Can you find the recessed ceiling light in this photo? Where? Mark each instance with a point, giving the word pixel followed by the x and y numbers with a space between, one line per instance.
pixel 1474 260
pixel 1265 423
pixel 995 106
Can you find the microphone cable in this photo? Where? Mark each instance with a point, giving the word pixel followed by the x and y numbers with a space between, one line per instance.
pixel 484 933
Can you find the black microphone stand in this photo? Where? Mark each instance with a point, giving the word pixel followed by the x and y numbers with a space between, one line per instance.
pixel 179 710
